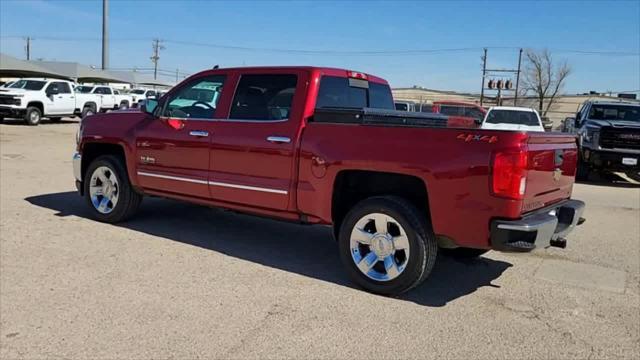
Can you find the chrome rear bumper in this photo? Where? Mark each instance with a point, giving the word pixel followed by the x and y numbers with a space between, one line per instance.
pixel 544 228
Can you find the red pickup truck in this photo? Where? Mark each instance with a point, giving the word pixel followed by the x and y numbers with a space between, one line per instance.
pixel 325 146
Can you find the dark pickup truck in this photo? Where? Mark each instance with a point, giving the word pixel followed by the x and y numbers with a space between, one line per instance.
pixel 608 137
pixel 326 146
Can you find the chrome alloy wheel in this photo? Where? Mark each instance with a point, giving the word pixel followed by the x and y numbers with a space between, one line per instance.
pixel 34 117
pixel 103 189
pixel 379 247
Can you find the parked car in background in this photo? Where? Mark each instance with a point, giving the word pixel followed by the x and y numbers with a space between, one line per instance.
pixel 105 96
pixel 462 114
pixel 608 137
pixel 512 118
pixel 34 98
pixel 141 94
pixel 405 106
pixel 326 146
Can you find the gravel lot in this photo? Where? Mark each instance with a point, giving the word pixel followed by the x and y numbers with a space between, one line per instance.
pixel 183 281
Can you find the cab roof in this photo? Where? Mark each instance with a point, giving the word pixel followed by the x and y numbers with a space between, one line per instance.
pixel 322 70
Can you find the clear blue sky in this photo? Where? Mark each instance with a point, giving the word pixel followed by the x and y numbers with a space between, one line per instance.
pixel 339 26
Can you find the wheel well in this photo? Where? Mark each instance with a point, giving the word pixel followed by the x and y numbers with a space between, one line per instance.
pixel 91 151
pixel 353 186
pixel 38 105
pixel 91 105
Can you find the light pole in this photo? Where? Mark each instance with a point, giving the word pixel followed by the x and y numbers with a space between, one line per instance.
pixel 105 34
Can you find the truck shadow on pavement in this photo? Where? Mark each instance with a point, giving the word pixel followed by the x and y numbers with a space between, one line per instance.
pixel 301 249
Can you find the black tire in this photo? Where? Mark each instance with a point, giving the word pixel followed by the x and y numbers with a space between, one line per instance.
pixel 123 105
pixel 582 172
pixel 464 253
pixel 128 199
pixel 1 119
pixel 87 111
pixel 422 244
pixel 55 119
pixel 33 116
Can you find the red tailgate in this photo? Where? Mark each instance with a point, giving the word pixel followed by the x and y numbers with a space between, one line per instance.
pixel 552 160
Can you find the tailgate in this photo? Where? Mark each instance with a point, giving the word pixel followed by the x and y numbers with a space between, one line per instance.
pixel 552 160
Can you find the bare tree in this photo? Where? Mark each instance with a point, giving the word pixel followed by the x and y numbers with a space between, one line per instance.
pixel 543 78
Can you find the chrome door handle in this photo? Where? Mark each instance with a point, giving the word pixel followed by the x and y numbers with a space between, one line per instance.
pixel 278 139
pixel 199 133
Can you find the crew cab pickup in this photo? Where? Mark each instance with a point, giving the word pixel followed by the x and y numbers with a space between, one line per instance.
pixel 104 97
pixel 608 137
pixel 34 98
pixel 326 146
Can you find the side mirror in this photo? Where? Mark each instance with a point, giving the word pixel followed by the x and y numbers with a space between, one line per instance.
pixel 478 121
pixel 149 106
pixel 53 91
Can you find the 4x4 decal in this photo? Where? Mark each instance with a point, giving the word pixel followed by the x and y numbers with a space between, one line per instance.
pixel 469 137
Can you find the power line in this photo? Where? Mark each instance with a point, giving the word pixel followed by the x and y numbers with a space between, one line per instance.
pixel 338 52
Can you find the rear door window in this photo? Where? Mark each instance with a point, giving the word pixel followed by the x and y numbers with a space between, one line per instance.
pixel 339 92
pixel 452 110
pixel 264 97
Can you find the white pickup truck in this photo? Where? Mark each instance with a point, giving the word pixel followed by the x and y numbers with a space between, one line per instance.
pixel 141 94
pixel 105 96
pixel 34 98
pixel 512 118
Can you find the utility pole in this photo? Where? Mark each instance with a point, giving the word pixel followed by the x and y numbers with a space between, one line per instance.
pixel 105 34
pixel 28 47
pixel 484 71
pixel 157 46
pixel 515 97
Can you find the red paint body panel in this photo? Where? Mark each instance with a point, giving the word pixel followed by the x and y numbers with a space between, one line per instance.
pixel 454 164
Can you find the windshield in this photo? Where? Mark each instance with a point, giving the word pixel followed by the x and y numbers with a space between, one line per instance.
pixel 137 92
pixel 28 84
pixel 615 112
pixel 527 118
pixel 84 89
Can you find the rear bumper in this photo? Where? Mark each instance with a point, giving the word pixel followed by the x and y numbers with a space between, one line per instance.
pixel 612 160
pixel 541 229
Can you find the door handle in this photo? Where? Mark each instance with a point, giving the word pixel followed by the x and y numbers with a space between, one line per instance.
pixel 199 133
pixel 278 139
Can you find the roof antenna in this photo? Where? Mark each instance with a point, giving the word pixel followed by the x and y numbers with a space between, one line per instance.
pixel 216 67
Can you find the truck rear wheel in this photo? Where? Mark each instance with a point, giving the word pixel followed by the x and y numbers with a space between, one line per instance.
pixel 108 190
pixel 387 245
pixel 32 116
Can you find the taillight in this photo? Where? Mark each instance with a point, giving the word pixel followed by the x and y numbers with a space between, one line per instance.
pixel 357 75
pixel 509 175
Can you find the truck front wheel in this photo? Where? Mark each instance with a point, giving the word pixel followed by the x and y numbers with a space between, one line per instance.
pixel 32 116
pixel 387 245
pixel 108 190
